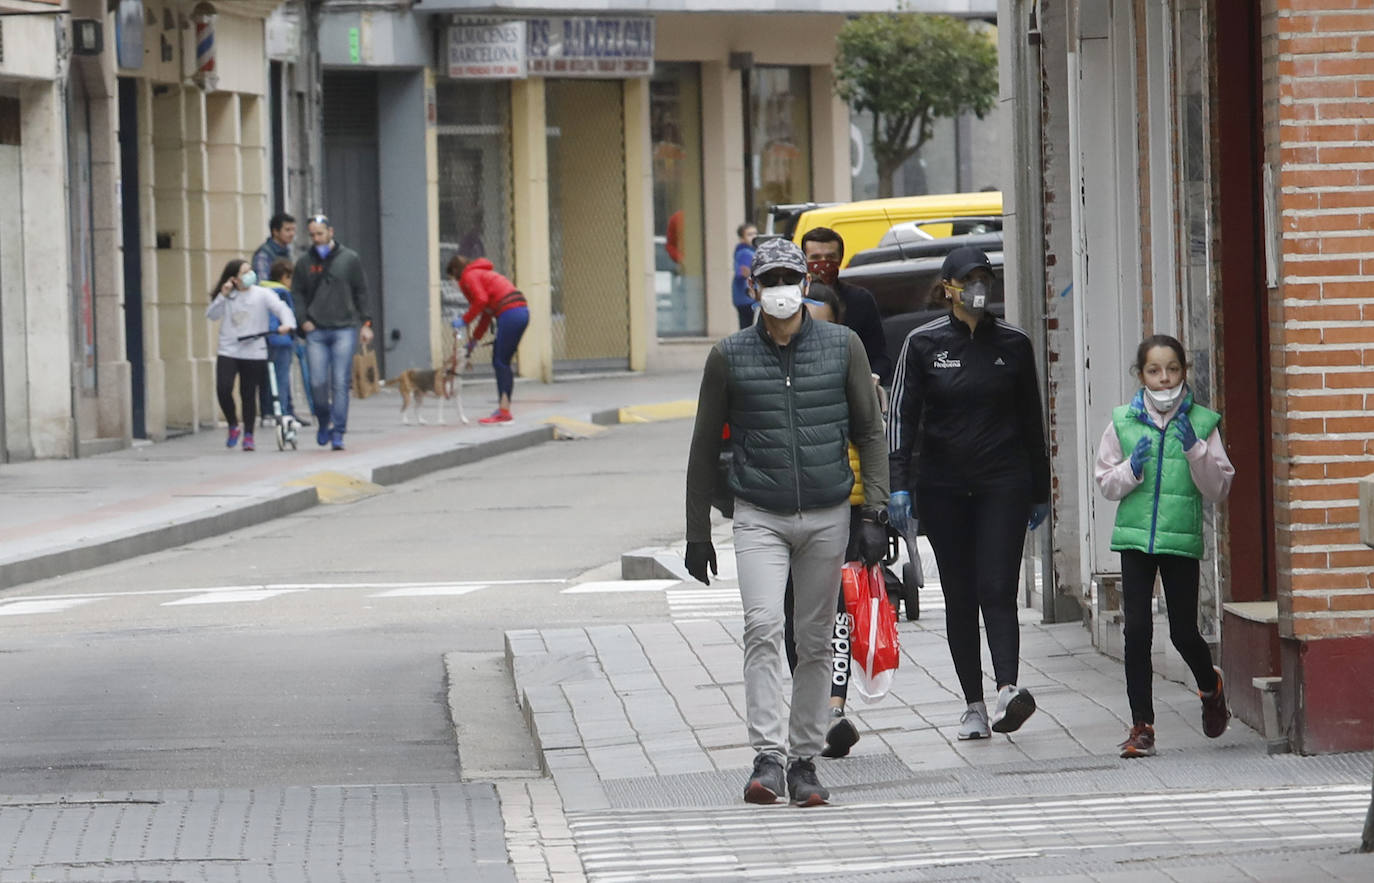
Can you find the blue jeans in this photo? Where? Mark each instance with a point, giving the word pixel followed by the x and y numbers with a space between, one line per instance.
pixel 305 375
pixel 510 327
pixel 280 357
pixel 330 351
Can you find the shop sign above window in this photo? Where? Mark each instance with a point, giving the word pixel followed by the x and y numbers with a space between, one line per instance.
pixel 486 50
pixel 579 46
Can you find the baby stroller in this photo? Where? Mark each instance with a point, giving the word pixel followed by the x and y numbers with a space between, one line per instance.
pixel 907 589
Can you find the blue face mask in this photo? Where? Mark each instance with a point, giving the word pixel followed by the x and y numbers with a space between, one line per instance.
pixel 249 279
pixel 324 250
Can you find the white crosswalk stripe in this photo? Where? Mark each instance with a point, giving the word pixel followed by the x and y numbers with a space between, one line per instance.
pixel 41 605
pixel 230 597
pixel 752 843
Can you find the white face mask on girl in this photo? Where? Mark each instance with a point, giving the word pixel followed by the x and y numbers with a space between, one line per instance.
pixel 1165 399
pixel 781 301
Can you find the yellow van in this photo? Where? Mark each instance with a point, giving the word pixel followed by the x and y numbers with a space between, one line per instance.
pixel 862 224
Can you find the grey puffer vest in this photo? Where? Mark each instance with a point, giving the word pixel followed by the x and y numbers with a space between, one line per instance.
pixel 789 417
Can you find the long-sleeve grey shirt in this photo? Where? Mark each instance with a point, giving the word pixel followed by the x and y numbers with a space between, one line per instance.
pixel 713 412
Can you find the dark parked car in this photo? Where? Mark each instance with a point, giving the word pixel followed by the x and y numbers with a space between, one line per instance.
pixel 903 273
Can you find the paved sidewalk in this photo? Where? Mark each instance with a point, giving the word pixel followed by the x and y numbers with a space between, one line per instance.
pixel 412 833
pixel 641 727
pixel 60 516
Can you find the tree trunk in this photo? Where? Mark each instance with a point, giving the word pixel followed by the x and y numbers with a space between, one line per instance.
pixel 886 171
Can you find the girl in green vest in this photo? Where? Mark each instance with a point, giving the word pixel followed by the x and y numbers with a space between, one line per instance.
pixel 1162 457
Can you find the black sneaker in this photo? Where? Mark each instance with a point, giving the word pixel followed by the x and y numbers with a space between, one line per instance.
pixel 842 736
pixel 766 783
pixel 803 786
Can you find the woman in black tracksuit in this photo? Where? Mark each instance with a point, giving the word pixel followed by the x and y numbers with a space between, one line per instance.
pixel 967 441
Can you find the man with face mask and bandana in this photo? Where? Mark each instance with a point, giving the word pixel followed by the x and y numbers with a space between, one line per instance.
pixel 795 392
pixel 967 441
pixel 824 250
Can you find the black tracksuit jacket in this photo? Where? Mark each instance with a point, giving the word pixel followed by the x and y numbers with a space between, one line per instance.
pixel 966 411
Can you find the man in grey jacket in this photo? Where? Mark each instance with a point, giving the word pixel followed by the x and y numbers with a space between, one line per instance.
pixel 329 289
pixel 795 393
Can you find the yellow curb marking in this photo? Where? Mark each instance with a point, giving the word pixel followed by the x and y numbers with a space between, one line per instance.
pixel 679 410
pixel 336 487
pixel 568 429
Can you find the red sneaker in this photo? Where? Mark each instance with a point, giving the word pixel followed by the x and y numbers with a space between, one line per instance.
pixel 248 442
pixel 500 415
pixel 1140 743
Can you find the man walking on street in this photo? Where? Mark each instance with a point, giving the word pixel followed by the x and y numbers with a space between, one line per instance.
pixel 739 284
pixel 795 392
pixel 824 250
pixel 282 232
pixel 330 290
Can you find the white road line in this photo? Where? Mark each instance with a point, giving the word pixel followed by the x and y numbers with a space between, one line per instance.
pixel 429 591
pixel 41 605
pixel 308 586
pixel 230 597
pixel 620 585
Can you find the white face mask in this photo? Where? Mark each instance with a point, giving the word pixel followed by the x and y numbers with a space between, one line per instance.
pixel 1165 399
pixel 781 301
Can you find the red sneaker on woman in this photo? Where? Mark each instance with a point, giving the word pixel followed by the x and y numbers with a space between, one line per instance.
pixel 500 415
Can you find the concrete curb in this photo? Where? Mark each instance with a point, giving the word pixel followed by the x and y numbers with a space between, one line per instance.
pixel 142 542
pixel 288 501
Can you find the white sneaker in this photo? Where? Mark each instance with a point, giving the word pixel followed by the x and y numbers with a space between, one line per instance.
pixel 973 723
pixel 1014 705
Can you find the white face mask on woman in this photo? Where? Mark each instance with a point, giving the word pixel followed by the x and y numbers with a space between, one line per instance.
pixel 781 301
pixel 1165 399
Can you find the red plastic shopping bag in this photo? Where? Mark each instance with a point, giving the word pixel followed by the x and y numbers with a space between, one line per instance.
pixel 873 638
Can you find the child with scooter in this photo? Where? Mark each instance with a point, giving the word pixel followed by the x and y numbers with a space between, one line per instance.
pixel 243 307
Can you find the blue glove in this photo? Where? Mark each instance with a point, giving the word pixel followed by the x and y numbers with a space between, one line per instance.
pixel 1142 450
pixel 1039 512
pixel 899 511
pixel 1186 433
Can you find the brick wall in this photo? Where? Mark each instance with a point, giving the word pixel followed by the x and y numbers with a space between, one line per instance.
pixel 1319 127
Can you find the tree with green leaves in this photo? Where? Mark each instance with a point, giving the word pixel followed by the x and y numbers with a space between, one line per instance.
pixel 908 70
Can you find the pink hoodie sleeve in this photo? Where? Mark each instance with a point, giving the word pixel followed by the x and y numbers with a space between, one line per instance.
pixel 1113 468
pixel 1211 468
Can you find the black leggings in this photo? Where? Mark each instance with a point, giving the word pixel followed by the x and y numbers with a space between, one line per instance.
pixel 977 539
pixel 252 374
pixel 1180 578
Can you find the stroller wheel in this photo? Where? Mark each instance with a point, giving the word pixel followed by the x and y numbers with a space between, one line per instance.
pixel 911 591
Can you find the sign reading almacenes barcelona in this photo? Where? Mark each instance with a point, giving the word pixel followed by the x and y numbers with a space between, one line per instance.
pixel 577 46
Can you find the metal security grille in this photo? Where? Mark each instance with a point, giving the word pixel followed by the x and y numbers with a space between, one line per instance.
pixel 474 191
pixel 588 251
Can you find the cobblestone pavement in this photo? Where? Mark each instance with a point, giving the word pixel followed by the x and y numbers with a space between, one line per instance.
pixel 642 729
pixel 413 833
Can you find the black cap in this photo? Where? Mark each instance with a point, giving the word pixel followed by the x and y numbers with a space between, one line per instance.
pixel 964 260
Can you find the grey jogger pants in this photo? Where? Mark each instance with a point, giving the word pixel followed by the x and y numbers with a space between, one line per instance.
pixel 767 544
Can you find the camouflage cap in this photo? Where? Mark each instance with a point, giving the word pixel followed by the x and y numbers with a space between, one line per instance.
pixel 777 253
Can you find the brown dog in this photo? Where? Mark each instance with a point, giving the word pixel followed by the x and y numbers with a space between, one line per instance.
pixel 442 383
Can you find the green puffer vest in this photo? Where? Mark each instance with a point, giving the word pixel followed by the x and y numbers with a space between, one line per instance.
pixel 1163 516
pixel 789 417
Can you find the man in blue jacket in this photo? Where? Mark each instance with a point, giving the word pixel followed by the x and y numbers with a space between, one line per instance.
pixel 739 285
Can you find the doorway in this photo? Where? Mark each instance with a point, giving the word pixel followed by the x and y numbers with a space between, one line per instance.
pixel 351 195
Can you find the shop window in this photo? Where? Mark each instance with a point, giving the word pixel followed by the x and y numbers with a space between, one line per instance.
pixel 679 252
pixel 779 131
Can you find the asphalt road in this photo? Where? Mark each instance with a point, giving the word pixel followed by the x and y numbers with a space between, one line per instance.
pixel 296 653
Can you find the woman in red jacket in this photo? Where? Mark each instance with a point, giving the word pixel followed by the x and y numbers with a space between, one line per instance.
pixel 492 296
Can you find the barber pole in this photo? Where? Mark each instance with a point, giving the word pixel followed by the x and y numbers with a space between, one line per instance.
pixel 205 76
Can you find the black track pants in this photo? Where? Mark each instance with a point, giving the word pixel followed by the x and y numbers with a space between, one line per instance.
pixel 1180 578
pixel 977 539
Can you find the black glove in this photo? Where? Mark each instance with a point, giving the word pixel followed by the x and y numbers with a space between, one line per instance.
pixel 698 556
pixel 873 536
